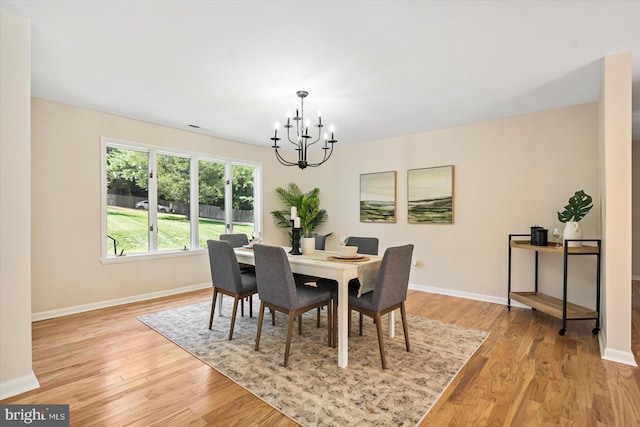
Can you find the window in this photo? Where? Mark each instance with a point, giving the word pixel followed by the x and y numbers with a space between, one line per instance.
pixel 159 201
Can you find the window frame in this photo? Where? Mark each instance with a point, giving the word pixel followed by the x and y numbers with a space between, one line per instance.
pixel 194 158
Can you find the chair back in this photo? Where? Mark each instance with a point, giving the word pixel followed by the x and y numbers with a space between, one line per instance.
pixel 236 240
pixel 321 241
pixel 276 284
pixel 366 245
pixel 225 271
pixel 393 277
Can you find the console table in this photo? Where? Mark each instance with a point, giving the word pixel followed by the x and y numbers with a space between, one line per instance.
pixel 559 308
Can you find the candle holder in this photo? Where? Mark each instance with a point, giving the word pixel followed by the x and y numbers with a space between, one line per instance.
pixel 295 240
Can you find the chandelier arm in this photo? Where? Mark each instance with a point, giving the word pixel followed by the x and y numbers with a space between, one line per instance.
pixel 289 138
pixel 283 161
pixel 311 143
pixel 324 158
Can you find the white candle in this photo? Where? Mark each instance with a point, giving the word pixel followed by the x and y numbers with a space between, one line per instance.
pixel 296 222
pixel 294 212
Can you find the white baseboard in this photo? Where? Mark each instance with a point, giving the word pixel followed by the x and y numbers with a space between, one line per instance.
pixel 613 355
pixel 19 385
pixel 467 295
pixel 618 356
pixel 50 314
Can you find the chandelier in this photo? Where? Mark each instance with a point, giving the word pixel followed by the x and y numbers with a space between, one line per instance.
pixel 301 138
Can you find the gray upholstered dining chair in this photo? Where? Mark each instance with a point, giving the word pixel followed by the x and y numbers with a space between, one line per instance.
pixel 278 291
pixel 236 239
pixel 366 245
pixel 389 294
pixel 227 280
pixel 321 241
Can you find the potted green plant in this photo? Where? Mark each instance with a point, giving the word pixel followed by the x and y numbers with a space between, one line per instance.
pixel 307 205
pixel 308 212
pixel 579 205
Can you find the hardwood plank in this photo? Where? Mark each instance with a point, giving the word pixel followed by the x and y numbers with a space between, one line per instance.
pixel 113 370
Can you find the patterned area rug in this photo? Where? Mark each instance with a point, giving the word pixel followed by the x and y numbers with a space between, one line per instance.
pixel 313 390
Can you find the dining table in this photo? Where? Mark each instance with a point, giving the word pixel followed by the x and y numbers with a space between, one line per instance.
pixel 329 265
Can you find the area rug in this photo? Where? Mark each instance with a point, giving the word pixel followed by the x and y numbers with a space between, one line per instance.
pixel 313 390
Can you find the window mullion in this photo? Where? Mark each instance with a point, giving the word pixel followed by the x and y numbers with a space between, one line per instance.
pixel 153 202
pixel 194 203
pixel 228 197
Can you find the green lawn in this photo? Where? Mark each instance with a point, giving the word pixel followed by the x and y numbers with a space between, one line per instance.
pixel 129 228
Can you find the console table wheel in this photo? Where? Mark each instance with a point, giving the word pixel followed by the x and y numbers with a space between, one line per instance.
pixel 595 331
pixel 562 331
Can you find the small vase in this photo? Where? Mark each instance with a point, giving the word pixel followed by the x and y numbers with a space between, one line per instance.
pixel 308 245
pixel 572 230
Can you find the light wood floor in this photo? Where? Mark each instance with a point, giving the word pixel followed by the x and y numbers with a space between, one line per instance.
pixel 114 370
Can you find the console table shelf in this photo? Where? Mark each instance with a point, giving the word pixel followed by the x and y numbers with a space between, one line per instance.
pixel 552 306
pixel 559 308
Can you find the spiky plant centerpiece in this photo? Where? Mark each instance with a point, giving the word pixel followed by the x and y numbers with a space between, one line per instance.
pixel 307 204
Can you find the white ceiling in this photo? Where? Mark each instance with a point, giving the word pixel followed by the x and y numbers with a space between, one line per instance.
pixel 375 69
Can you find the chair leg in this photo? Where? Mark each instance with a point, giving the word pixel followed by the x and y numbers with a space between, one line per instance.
pixel 233 315
pixel 329 325
pixel 213 307
pixel 273 316
pixel 318 318
pixel 250 305
pixel 349 322
pixel 260 317
pixel 380 340
pixel 360 323
pixel 405 326
pixel 289 333
pixel 241 307
pixel 299 325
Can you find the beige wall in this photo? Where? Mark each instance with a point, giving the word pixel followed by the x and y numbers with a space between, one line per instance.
pixel 16 375
pixel 507 179
pixel 636 210
pixel 509 174
pixel 615 184
pixel 66 202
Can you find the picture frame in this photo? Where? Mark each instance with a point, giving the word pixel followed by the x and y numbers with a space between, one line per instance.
pixel 378 197
pixel 430 194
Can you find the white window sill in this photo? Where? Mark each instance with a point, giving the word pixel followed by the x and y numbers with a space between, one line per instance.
pixel 152 256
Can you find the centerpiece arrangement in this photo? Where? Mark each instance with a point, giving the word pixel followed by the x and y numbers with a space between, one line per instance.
pixel 306 207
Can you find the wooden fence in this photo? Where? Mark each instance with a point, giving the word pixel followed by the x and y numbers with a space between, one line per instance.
pixel 205 211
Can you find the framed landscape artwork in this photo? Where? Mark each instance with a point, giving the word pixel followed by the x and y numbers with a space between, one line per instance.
pixel 378 197
pixel 430 195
